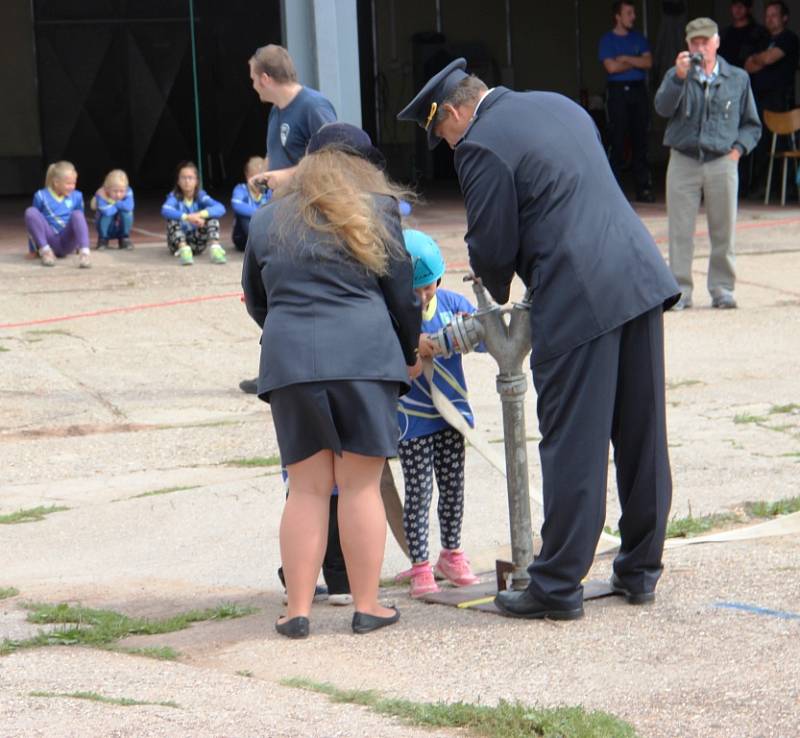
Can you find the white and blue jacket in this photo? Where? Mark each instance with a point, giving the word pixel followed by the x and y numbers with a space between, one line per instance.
pixel 110 208
pixel 177 209
pixel 243 202
pixel 416 414
pixel 57 210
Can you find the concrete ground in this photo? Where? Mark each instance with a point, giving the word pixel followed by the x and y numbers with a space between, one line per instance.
pixel 122 380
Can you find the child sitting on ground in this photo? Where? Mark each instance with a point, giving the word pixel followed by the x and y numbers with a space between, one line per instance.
pixel 246 199
pixel 427 442
pixel 192 217
pixel 113 204
pixel 55 222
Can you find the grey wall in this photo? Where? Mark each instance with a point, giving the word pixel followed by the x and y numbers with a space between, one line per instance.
pixel 20 139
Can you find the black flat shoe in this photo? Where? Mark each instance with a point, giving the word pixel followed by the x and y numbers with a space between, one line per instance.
pixel 631 597
pixel 366 623
pixel 294 628
pixel 524 605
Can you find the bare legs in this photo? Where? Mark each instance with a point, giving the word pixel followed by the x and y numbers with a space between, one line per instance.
pixel 362 527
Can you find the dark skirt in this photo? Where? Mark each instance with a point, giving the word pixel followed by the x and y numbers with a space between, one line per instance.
pixel 359 416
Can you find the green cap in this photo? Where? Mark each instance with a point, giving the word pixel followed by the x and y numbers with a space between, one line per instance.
pixel 701 27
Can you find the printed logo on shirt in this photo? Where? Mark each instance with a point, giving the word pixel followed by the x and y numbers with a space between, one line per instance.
pixel 284 133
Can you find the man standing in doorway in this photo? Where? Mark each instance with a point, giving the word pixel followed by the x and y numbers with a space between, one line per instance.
pixel 772 72
pixel 712 123
pixel 625 54
pixel 743 37
pixel 542 202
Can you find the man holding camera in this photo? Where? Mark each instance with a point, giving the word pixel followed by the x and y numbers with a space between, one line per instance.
pixel 712 123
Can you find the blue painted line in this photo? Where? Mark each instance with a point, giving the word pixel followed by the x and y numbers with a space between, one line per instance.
pixel 755 610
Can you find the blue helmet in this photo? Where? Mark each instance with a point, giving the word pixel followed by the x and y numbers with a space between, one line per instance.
pixel 425 256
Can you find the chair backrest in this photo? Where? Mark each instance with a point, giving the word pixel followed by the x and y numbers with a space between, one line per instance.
pixel 782 123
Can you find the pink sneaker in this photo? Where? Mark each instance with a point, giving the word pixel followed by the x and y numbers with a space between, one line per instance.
pixel 422 581
pixel 453 565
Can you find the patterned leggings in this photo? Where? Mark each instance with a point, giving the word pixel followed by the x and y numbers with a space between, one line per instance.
pixel 443 452
pixel 197 238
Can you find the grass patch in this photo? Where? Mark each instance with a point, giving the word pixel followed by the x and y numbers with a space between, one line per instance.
pixel 48 332
pixel 255 461
pixel 6 592
pixel 781 409
pixel 3 349
pixel 162 491
pixel 683 383
pixel 244 673
pixel 159 653
pixel 94 697
pixel 744 418
pixel 30 515
pixel 85 626
pixel 506 720
pixel 772 509
pixel 691 526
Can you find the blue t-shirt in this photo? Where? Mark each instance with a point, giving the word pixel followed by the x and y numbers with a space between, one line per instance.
pixel 631 44
pixel 289 129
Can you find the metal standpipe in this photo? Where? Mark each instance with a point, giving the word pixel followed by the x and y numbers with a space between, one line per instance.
pixel 506 335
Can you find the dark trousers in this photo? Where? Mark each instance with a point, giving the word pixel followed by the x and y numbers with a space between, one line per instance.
pixel 333 569
pixel 241 229
pixel 628 115
pixel 611 388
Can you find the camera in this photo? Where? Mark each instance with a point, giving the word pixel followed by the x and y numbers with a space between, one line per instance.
pixel 696 59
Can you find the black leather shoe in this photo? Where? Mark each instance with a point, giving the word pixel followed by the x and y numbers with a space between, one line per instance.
pixel 631 597
pixel 524 605
pixel 249 386
pixel 365 623
pixel 294 628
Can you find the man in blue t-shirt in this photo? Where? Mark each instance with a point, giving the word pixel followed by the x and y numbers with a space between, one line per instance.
pixel 297 113
pixel 625 54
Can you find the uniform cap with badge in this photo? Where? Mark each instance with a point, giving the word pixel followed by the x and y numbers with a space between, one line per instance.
pixel 423 108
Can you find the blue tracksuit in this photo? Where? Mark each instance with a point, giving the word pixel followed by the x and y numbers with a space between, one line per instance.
pixel 57 210
pixel 175 209
pixel 114 218
pixel 244 205
pixel 416 413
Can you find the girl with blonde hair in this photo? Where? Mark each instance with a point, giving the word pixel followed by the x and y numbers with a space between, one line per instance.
pixel 247 197
pixel 327 278
pixel 55 222
pixel 113 204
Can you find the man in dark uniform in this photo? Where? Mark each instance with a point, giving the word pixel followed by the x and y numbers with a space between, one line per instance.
pixel 542 202
pixel 743 37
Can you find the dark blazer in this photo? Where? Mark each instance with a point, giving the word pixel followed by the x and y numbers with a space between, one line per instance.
pixel 542 201
pixel 324 317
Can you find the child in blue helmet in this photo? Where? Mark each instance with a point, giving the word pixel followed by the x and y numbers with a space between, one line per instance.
pixel 428 443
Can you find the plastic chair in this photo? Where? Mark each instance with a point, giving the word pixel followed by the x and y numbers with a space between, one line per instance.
pixel 781 124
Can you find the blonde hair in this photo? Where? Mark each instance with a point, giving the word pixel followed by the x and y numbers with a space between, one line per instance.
pixel 116 177
pixel 335 193
pixel 58 170
pixel 256 164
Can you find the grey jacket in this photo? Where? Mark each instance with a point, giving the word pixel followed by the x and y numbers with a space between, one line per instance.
pixel 707 121
pixel 324 317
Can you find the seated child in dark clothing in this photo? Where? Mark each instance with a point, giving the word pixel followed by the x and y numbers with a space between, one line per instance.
pixel 55 222
pixel 192 217
pixel 246 199
pixel 113 204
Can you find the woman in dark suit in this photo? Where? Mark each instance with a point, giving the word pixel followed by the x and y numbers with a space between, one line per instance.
pixel 328 279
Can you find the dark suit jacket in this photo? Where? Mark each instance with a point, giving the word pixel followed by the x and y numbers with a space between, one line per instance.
pixel 542 201
pixel 324 317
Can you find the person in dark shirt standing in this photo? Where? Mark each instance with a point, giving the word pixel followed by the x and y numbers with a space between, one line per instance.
pixel 772 73
pixel 626 56
pixel 738 42
pixel 744 37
